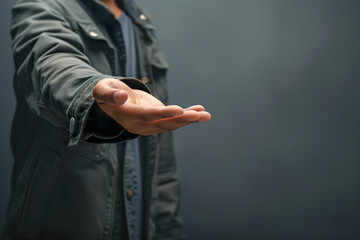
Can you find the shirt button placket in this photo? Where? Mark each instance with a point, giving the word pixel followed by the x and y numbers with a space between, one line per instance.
pixel 130 193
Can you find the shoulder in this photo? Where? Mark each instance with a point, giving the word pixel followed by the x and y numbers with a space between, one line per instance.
pixel 58 7
pixel 67 11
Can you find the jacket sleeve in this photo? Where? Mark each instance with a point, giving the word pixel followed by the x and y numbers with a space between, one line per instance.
pixel 53 74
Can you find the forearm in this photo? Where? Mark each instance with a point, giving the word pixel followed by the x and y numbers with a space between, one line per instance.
pixel 52 72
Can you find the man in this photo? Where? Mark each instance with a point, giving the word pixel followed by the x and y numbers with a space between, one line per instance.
pixel 78 172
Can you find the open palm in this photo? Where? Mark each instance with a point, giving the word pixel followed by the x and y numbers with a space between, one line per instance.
pixel 141 113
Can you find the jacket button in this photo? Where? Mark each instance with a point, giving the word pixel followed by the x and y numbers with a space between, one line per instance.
pixel 144 80
pixel 94 34
pixel 130 193
pixel 143 17
pixel 72 125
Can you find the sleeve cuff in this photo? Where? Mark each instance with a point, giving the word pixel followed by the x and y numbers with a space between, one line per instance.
pixel 99 128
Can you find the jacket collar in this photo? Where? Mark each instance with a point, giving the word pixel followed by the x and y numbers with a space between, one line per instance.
pixel 136 12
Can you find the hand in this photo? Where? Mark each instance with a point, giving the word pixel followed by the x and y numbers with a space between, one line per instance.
pixel 141 113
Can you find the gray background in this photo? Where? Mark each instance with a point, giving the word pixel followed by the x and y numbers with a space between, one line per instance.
pixel 280 158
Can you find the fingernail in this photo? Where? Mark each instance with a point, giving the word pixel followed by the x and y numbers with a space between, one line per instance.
pixel 116 97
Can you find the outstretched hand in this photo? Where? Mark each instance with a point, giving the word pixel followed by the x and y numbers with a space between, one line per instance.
pixel 141 113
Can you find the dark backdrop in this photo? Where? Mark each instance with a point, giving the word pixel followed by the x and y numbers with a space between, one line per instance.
pixel 280 158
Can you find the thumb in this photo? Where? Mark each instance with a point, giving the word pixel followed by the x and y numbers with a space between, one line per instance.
pixel 106 92
pixel 120 97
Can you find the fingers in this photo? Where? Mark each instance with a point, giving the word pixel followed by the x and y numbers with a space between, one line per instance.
pixel 197 108
pixel 204 116
pixel 149 114
pixel 170 124
pixel 164 122
pixel 188 117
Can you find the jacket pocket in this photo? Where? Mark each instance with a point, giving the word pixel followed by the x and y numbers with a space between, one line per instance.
pixel 38 192
pixel 90 30
pixel 92 151
pixel 159 67
pixel 96 46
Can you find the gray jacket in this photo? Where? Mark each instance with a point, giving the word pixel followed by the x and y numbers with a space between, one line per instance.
pixel 66 169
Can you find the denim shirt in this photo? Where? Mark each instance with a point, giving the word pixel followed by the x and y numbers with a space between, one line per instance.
pixel 125 65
